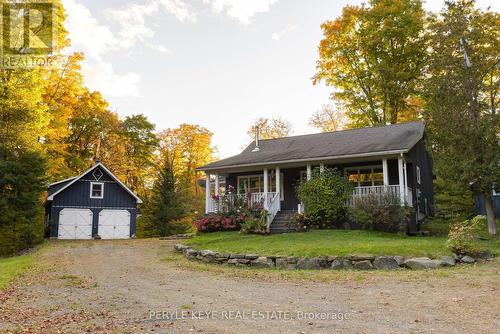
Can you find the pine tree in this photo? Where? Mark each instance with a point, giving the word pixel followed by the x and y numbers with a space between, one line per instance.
pixel 165 205
pixel 22 180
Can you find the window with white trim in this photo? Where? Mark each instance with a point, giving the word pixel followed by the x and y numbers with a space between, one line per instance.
pixel 418 175
pixel 255 184
pixel 97 190
pixel 365 176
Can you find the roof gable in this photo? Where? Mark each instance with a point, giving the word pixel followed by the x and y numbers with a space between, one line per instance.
pixel 92 173
pixel 397 138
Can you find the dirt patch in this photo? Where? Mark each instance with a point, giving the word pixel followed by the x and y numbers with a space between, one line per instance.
pixel 117 287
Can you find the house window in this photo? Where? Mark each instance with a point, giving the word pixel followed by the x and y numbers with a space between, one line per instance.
pixel 96 189
pixel 255 184
pixel 365 176
pixel 418 175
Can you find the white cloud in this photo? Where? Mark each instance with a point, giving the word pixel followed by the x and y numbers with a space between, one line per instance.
pixel 102 77
pixel 241 10
pixel 160 48
pixel 85 32
pixel 280 34
pixel 132 19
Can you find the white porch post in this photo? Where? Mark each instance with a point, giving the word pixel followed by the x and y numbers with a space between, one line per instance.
pixel 266 187
pixel 401 180
pixel 217 184
pixel 308 171
pixel 207 193
pixel 385 171
pixel 278 186
pixel 406 181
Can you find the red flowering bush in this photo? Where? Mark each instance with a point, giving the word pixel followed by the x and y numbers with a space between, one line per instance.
pixel 219 222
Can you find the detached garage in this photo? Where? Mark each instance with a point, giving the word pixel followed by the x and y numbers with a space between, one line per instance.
pixel 95 203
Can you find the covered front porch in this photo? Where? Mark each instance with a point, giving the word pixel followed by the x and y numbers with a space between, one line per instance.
pixel 273 187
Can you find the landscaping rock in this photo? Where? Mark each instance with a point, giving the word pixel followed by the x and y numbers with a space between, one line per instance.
pixel 251 256
pixel 341 263
pixel 332 258
pixel 243 261
pixel 262 262
pixel 422 263
pixel 222 256
pixel 467 259
pixel 363 265
pixel 191 253
pixel 180 247
pixel 312 263
pixel 400 260
pixel 455 256
pixel 448 260
pixel 385 262
pixel 237 256
pixel 208 253
pixel 286 263
pixel 207 259
pixel 232 261
pixel 363 257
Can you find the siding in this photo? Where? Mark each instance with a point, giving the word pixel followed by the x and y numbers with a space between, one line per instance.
pixel 78 196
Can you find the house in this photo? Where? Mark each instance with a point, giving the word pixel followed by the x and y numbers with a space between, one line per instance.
pixel 376 160
pixel 94 203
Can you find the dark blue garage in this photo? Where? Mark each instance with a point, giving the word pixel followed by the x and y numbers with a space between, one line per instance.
pixel 96 203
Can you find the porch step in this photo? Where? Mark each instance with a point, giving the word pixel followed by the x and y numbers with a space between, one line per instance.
pixel 280 222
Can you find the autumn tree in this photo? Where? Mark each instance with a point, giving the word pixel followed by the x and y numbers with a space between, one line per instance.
pixel 372 56
pixel 462 98
pixel 141 143
pixel 270 128
pixel 187 148
pixel 328 119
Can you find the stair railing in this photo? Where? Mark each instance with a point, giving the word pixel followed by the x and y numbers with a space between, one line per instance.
pixel 274 208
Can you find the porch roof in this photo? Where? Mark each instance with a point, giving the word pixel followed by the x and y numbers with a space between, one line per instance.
pixel 390 139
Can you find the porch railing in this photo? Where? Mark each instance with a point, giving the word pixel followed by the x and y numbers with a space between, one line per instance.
pixel 359 193
pixel 252 201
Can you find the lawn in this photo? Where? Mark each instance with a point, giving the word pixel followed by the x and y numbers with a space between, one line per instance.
pixel 327 242
pixel 12 267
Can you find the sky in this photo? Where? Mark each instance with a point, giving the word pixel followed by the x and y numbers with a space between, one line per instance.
pixel 220 64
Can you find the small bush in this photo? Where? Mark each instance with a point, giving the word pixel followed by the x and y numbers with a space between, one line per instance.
pixel 255 224
pixel 382 212
pixel 464 236
pixel 300 223
pixel 325 196
pixel 219 222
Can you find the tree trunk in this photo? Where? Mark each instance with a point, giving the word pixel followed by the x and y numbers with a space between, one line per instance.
pixel 490 215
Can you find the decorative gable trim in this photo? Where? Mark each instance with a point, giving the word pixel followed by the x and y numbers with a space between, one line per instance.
pixel 51 197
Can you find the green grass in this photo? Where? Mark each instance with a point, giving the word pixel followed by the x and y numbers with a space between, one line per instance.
pixel 12 267
pixel 327 242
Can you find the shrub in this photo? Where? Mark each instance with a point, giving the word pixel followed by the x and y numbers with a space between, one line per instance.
pixel 300 223
pixel 219 222
pixel 325 195
pixel 464 236
pixel 380 212
pixel 255 224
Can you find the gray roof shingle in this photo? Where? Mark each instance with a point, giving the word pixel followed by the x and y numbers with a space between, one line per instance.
pixel 397 137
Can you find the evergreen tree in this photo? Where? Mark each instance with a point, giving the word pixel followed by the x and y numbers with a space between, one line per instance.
pixel 22 180
pixel 165 205
pixel 462 98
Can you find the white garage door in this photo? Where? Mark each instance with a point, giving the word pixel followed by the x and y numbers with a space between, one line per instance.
pixel 75 224
pixel 114 224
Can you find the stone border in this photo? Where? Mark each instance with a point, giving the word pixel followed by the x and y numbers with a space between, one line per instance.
pixel 361 262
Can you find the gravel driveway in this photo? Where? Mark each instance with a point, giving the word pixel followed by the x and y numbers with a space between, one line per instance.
pixel 129 287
